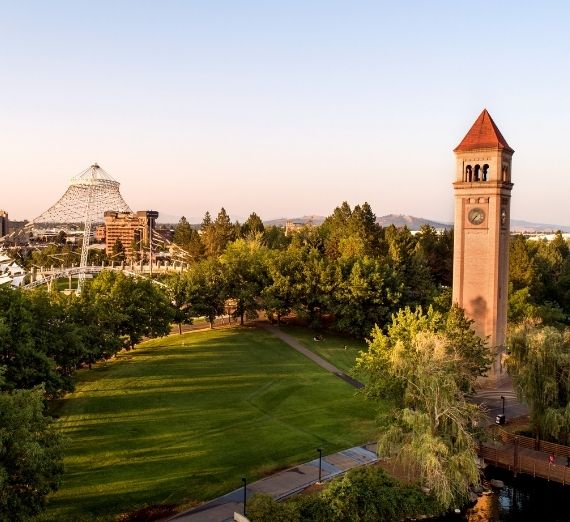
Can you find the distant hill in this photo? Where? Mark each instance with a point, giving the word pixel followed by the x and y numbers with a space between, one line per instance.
pixel 398 220
pixel 518 225
pixel 281 222
pixel 413 223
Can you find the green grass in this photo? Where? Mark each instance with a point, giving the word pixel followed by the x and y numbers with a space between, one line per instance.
pixel 339 350
pixel 63 284
pixel 182 419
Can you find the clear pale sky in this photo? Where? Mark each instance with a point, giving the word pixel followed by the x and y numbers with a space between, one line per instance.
pixel 283 108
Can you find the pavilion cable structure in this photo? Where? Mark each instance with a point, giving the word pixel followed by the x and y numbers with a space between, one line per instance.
pixel 89 195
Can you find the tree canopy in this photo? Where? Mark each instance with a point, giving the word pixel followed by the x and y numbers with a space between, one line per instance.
pixel 424 364
pixel 539 363
pixel 31 457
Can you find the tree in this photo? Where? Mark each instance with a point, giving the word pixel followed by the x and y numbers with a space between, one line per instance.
pixel 182 233
pixel 522 268
pixel 351 233
pixel 252 227
pixel 368 494
pixel 316 285
pixel 539 363
pixel 424 364
pixel 178 293
pixel 206 292
pixel 139 307
pixel 366 296
pixel 365 494
pixel 61 238
pixel 118 252
pixel 217 234
pixel 410 267
pixel 188 239
pixel 27 364
pixel 31 457
pixel 57 332
pixel 437 251
pixel 244 274
pixel 274 238
pixel 280 294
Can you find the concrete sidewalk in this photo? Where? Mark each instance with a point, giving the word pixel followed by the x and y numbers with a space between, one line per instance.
pixel 490 399
pixel 282 484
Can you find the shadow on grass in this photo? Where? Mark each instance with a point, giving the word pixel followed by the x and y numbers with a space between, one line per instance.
pixel 182 423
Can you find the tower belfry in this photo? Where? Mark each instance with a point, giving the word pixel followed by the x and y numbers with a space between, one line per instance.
pixel 482 190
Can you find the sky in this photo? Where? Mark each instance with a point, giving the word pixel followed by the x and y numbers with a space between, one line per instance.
pixel 282 108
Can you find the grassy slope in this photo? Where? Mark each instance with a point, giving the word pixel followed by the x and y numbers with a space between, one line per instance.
pixel 183 418
pixel 332 348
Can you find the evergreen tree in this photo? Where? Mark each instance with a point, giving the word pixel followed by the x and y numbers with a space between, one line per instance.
pixel 217 234
pixel 252 227
pixel 118 252
pixel 182 233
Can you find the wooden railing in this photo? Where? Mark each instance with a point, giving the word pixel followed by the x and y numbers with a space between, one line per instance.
pixel 534 444
pixel 526 455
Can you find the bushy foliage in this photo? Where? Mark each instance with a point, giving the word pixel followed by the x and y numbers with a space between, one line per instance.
pixel 31 459
pixel 46 336
pixel 425 364
pixel 263 508
pixel 539 273
pixel 539 363
pixel 361 495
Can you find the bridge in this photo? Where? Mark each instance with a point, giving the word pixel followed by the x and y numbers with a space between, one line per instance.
pixel 528 456
pixel 46 276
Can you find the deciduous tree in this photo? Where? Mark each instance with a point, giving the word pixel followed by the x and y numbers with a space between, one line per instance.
pixel 539 363
pixel 424 364
pixel 31 458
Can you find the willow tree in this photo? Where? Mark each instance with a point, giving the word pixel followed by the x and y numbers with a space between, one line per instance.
pixel 539 363
pixel 425 363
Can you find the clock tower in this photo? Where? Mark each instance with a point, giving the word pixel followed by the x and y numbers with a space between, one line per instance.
pixel 482 190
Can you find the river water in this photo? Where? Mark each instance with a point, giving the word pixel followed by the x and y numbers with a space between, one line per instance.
pixel 523 499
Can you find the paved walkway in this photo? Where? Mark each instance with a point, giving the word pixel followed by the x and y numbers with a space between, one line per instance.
pixel 490 399
pixel 286 483
pixel 282 484
pixel 293 343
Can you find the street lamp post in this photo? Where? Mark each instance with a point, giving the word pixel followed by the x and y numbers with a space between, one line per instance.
pixel 244 493
pixel 320 463
pixel 503 399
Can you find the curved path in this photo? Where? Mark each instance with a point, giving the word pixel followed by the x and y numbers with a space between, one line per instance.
pixel 293 343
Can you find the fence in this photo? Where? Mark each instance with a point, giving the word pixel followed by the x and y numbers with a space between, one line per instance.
pixel 526 455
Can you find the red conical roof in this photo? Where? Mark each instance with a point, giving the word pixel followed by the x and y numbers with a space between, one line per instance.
pixel 484 134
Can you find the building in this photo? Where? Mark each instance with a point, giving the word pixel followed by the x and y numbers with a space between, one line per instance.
pixel 295 226
pixel 133 230
pixel 482 190
pixel 3 223
pixel 100 232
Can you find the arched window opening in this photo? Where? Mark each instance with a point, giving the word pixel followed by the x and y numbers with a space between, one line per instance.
pixel 485 172
pixel 476 176
pixel 468 173
pixel 505 173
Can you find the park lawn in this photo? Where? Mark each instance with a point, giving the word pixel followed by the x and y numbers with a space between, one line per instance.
pixel 339 350
pixel 181 419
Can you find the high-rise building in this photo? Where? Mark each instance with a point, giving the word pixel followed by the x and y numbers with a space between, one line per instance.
pixel 3 223
pixel 133 230
pixel 481 242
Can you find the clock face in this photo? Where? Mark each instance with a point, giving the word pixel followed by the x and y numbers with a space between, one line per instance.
pixel 503 216
pixel 476 216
